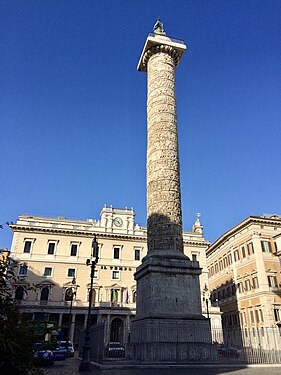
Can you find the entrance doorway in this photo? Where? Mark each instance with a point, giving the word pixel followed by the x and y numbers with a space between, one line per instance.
pixel 116 330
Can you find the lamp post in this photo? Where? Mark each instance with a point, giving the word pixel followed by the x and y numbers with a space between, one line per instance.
pixel 71 293
pixel 85 364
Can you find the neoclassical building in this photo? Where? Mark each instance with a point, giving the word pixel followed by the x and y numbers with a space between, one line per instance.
pixel 245 274
pixel 52 254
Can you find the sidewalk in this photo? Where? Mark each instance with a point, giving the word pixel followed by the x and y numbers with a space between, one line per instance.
pixel 71 367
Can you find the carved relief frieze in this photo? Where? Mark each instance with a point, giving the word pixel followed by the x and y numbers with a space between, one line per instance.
pixel 163 180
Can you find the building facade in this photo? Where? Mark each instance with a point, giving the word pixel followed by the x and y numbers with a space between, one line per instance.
pixel 245 274
pixel 52 255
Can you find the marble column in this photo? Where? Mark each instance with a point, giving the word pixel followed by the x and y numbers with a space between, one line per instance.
pixel 163 176
pixel 168 302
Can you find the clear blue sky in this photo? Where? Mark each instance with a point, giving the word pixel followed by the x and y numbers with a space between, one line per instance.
pixel 73 108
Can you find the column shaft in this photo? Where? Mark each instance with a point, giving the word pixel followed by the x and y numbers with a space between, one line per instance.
pixel 163 177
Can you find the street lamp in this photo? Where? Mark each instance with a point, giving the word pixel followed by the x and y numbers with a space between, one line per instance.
pixel 85 364
pixel 206 290
pixel 71 293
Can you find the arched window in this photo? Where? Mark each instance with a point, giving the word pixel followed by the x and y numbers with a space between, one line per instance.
pixel 44 294
pixel 19 293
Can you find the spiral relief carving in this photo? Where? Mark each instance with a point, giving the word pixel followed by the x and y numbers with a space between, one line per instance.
pixel 163 179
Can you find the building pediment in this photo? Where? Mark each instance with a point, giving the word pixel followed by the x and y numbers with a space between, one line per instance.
pixel 114 286
pixel 44 283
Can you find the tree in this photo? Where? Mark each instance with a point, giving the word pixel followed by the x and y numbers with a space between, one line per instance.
pixel 16 336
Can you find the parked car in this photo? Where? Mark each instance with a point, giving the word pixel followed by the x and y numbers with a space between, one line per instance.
pixel 44 357
pixel 114 350
pixel 65 346
pixel 228 351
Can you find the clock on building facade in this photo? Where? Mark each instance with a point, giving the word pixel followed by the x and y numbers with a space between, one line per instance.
pixel 118 221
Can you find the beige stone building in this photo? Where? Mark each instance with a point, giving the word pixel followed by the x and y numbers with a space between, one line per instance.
pixel 245 274
pixel 53 251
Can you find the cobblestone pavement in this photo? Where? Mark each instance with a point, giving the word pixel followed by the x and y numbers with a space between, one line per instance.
pixel 71 367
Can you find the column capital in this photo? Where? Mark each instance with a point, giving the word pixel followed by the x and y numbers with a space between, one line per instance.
pixel 160 43
pixel 157 49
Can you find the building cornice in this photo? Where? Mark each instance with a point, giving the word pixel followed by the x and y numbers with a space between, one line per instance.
pixel 92 232
pixel 80 233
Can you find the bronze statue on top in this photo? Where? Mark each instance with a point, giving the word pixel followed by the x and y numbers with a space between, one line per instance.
pixel 159 28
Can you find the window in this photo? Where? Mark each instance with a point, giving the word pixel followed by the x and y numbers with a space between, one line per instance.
pixel 73 250
pixel 225 263
pixel 260 314
pixel 255 283
pixel 27 246
pixel 114 295
pixel 266 246
pixel 252 317
pixel 71 272
pixel 243 317
pixel 94 296
pixel 51 248
pixel 272 281
pixel 23 270
pixel 116 253
pixel 137 254
pixel 45 294
pixel 277 314
pixel 229 259
pixel 236 255
pixel 240 287
pixel 48 271
pixel 115 275
pixel 250 247
pixel 247 285
pixel 216 267
pixel 69 294
pixel 220 264
pixel 243 251
pixel 19 294
pixel 194 257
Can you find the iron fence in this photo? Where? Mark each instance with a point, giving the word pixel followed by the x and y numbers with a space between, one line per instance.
pixel 231 346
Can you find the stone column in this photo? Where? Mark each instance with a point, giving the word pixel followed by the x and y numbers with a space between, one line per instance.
pixel 72 328
pixel 168 291
pixel 163 177
pixel 60 322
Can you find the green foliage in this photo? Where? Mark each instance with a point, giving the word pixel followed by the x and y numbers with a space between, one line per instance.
pixel 16 336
